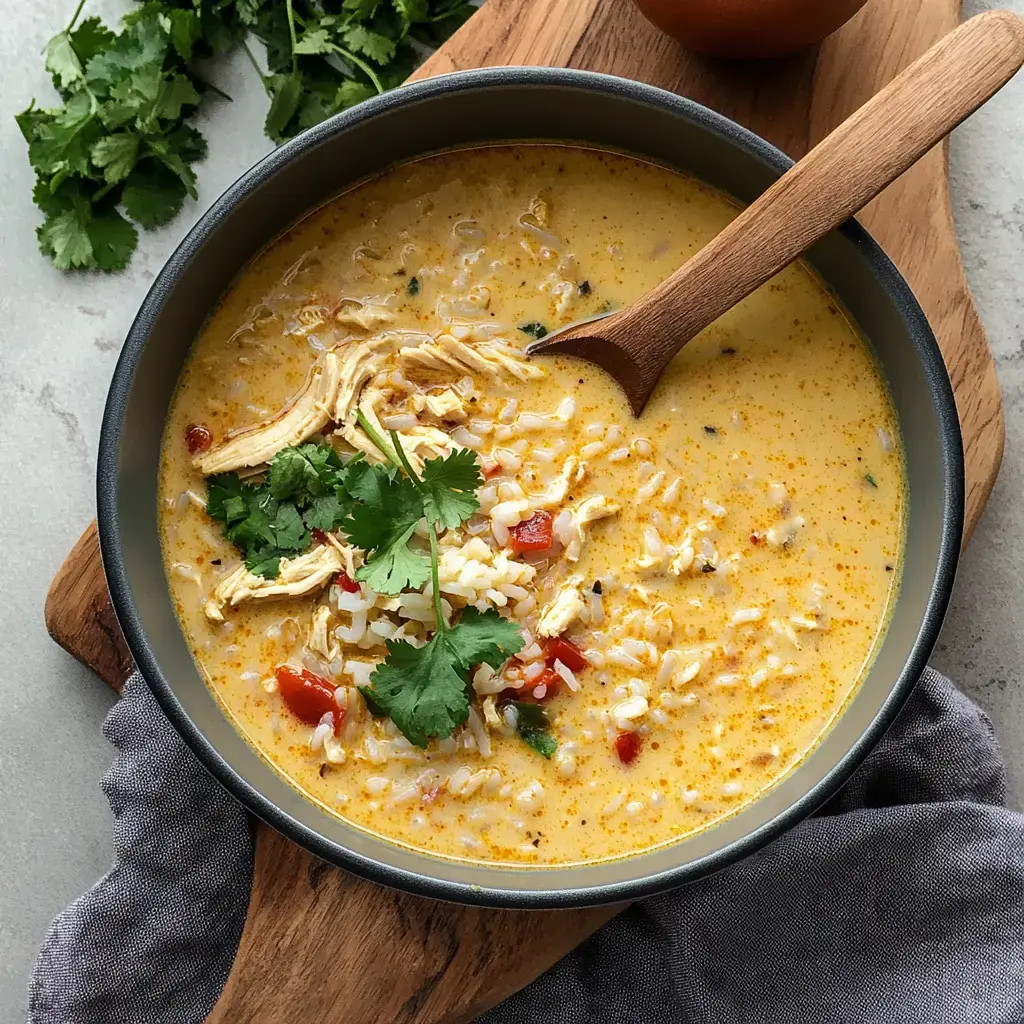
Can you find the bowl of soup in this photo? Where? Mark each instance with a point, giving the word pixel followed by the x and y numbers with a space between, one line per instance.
pixel 451 617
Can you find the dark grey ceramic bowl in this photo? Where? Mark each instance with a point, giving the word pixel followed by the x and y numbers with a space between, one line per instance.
pixel 466 109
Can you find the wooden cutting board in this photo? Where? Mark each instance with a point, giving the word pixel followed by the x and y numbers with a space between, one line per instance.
pixel 321 944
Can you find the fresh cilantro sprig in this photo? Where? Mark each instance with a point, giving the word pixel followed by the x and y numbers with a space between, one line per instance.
pixel 118 152
pixel 303 490
pixel 426 690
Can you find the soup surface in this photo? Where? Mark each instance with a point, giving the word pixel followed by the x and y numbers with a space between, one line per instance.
pixel 690 597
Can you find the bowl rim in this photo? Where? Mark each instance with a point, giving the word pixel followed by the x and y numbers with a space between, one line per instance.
pixel 423 883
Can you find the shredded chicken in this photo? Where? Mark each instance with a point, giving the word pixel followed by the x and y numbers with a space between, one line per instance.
pixel 364 316
pixel 558 615
pixel 360 363
pixel 447 405
pixel 321 641
pixel 419 443
pixel 573 472
pixel 308 412
pixel 586 512
pixel 300 575
pixel 488 358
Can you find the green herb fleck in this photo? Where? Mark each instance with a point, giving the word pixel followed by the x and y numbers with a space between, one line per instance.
pixel 870 480
pixel 534 727
pixel 534 330
pixel 413 287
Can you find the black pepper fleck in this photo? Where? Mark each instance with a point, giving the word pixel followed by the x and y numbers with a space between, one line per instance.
pixel 711 430
pixel 584 288
pixel 708 567
pixel 597 588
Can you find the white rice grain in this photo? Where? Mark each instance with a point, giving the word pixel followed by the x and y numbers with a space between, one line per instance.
pixel 567 676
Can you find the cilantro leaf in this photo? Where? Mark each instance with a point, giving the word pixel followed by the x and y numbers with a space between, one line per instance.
pixel 371 703
pixel 396 567
pixel 317 40
pixel 484 638
pixel 64 236
pixel 389 505
pixel 113 240
pixel 423 690
pixel 290 533
pixel 186 29
pixel 285 92
pixel 372 44
pixel 153 196
pixel 224 500
pixel 449 486
pixel 324 513
pixel 62 62
pixel 264 562
pixel 116 155
pixel 90 38
pixel 310 470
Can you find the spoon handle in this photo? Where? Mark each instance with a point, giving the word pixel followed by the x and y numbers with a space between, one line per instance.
pixel 833 181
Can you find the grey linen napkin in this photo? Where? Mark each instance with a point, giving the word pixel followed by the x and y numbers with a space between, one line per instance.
pixel 901 902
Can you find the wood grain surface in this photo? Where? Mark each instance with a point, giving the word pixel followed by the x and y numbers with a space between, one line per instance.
pixel 397 959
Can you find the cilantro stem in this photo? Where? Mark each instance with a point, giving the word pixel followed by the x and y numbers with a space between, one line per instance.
pixel 374 435
pixel 359 63
pixel 405 459
pixel 435 579
pixel 291 32
pixel 74 17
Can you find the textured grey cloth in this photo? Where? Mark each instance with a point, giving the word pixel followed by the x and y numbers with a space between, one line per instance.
pixel 901 902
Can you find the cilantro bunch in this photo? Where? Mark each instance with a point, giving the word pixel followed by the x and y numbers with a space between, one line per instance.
pixel 118 152
pixel 425 690
pixel 305 489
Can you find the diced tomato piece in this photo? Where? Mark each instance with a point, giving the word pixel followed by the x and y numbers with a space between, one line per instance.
pixel 549 679
pixel 559 649
pixel 535 534
pixel 318 535
pixel 198 438
pixel 627 746
pixel 308 696
pixel 346 583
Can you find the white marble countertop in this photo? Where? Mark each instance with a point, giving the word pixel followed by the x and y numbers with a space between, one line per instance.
pixel 61 336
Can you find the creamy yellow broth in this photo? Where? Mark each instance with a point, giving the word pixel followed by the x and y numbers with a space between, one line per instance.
pixel 745 578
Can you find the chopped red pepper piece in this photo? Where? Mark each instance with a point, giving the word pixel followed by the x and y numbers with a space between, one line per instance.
pixel 198 438
pixel 346 583
pixel 627 746
pixel 557 648
pixel 549 679
pixel 308 696
pixel 319 536
pixel 535 534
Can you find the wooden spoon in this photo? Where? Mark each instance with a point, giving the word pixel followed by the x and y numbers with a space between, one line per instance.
pixel 846 170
